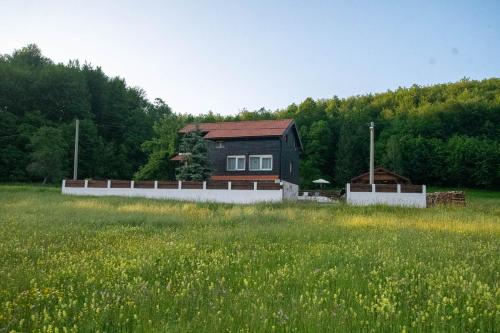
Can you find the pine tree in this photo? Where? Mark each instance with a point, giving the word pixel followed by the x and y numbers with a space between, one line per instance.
pixel 196 164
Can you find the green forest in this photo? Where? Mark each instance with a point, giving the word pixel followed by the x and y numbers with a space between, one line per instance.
pixel 442 135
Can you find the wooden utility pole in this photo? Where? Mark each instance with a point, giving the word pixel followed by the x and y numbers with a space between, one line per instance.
pixel 75 161
pixel 372 152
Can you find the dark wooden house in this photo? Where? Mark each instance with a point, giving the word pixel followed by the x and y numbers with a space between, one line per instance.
pixel 381 176
pixel 251 150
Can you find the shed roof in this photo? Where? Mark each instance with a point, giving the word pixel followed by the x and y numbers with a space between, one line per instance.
pixel 382 176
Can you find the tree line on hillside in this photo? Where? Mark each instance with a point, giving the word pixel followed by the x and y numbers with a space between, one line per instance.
pixel 446 134
pixel 39 102
pixel 443 135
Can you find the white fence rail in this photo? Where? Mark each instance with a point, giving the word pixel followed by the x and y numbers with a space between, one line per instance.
pixel 386 194
pixel 224 192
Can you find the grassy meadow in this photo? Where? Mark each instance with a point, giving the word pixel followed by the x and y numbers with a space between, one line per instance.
pixel 92 264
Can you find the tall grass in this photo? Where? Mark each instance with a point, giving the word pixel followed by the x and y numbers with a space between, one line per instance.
pixel 117 264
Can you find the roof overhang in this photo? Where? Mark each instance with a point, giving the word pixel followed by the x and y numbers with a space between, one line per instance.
pixel 244 129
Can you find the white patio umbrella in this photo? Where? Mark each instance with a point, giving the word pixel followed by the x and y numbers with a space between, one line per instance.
pixel 321 182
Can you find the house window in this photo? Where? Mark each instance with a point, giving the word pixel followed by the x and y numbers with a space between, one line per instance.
pixel 261 162
pixel 219 144
pixel 236 163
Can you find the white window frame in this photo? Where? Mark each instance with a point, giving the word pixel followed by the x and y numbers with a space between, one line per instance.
pixel 236 163
pixel 219 144
pixel 261 157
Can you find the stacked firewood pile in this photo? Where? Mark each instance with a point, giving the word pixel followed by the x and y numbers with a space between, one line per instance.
pixel 456 198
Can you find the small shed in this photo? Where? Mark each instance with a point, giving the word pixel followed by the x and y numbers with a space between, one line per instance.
pixel 381 176
pixel 388 188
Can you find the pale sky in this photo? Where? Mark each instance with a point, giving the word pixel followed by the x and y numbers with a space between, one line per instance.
pixel 228 55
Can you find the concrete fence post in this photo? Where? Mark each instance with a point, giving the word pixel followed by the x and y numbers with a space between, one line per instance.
pixel 109 183
pixel 373 188
pixel 64 183
pixel 255 186
pixel 131 184
pixel 86 184
pixel 424 189
pixel 204 185
pixel 156 184
pixel 229 186
pixel 399 188
pixel 179 185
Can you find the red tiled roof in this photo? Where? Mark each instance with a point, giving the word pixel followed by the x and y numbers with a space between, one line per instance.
pixel 239 129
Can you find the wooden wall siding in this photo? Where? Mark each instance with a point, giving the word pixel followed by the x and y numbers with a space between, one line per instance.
pixel 386 188
pixel 361 188
pixel 75 183
pixel 144 184
pixel 192 185
pixel 268 186
pixel 217 185
pixel 242 185
pixel 247 147
pixel 97 183
pixel 168 184
pixel 283 153
pixel 411 188
pixel 120 184
pixel 289 153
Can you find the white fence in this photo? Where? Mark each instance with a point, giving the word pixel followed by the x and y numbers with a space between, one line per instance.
pixel 224 192
pixel 386 194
